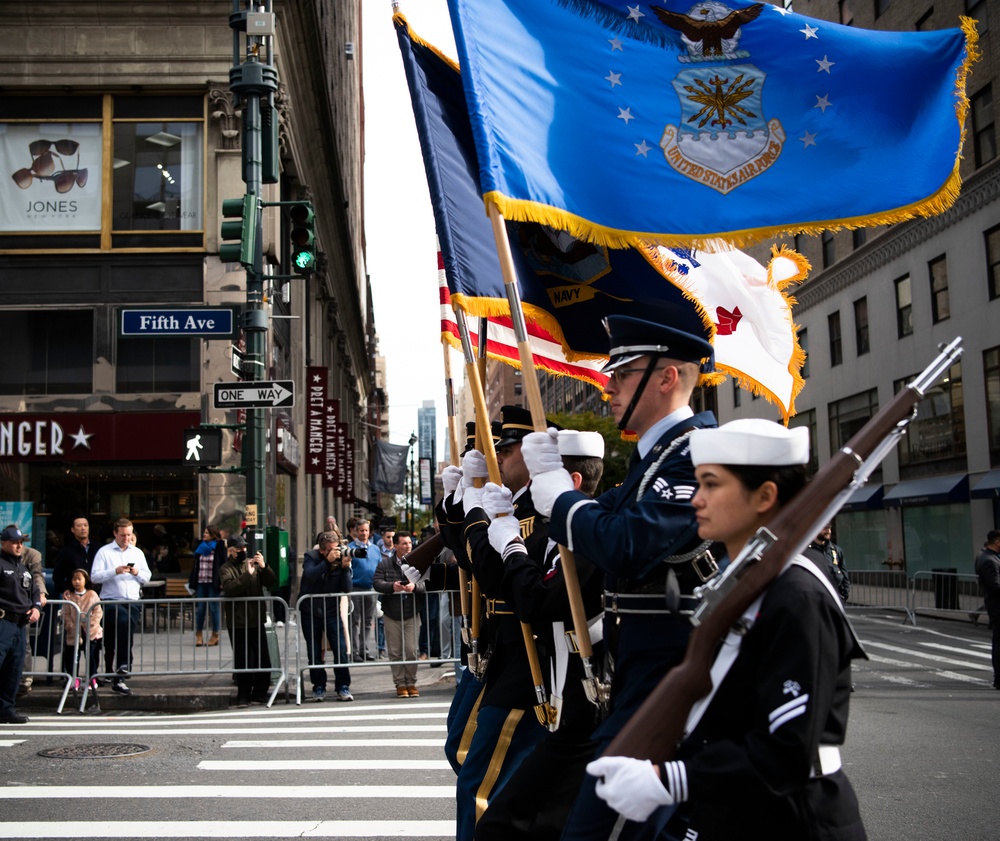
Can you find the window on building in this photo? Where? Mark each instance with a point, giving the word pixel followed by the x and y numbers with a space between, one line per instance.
pixel 861 326
pixel 940 306
pixel 829 252
pixel 938 431
pixel 991 374
pixel 737 394
pixel 157 365
pixel 925 21
pixel 881 7
pixel 47 352
pixel 904 306
pixel 983 133
pixel 859 236
pixel 976 9
pixel 847 416
pixel 804 344
pixel 836 343
pixel 55 148
pixel 993 261
pixel 846 12
pixel 808 420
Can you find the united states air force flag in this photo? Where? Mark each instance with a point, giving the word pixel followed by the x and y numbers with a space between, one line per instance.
pixel 688 123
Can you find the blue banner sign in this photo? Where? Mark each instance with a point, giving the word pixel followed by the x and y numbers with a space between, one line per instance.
pixel 218 322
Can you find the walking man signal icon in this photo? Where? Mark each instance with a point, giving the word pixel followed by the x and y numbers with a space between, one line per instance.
pixel 194 446
pixel 203 447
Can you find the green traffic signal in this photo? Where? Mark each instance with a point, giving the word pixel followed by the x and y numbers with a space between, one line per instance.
pixel 243 232
pixel 303 238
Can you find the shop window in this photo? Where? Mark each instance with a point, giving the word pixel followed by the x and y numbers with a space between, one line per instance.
pixel 47 352
pixel 991 375
pixel 53 150
pixel 993 261
pixel 940 306
pixel 983 132
pixel 157 365
pixel 836 342
pixel 938 430
pixel 904 306
pixel 861 340
pixel 859 236
pixel 829 250
pixel 847 416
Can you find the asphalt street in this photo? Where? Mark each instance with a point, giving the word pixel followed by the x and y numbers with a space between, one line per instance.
pixel 922 752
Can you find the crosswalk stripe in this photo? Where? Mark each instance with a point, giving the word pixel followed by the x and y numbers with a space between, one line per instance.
pixel 937 659
pixel 228 792
pixel 83 727
pixel 62 722
pixel 889 661
pixel 9 743
pixel 325 765
pixel 957 650
pixel 337 743
pixel 227 829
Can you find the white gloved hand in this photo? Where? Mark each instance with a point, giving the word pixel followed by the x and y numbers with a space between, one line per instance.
pixel 497 500
pixel 472 498
pixel 413 575
pixel 546 488
pixel 473 467
pixel 540 451
pixel 629 786
pixel 502 531
pixel 450 477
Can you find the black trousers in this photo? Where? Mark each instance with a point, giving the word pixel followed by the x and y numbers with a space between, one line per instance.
pixel 250 652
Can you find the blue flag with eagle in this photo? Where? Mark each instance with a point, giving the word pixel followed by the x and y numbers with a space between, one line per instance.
pixel 568 285
pixel 687 124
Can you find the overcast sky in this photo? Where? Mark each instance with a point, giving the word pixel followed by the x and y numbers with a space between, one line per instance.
pixel 399 226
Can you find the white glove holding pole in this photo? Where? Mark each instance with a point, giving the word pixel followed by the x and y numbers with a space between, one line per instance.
pixel 546 488
pixel 540 451
pixel 473 467
pixel 450 478
pixel 413 575
pixel 497 501
pixel 502 531
pixel 629 786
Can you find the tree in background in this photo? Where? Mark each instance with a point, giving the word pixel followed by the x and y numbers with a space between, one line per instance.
pixel 616 451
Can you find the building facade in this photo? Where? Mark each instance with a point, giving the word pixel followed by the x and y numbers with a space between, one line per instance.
pixel 119 132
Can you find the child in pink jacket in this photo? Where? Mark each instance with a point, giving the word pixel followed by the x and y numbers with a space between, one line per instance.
pixel 86 625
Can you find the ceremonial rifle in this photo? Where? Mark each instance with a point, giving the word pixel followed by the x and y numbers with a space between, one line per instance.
pixel 657 727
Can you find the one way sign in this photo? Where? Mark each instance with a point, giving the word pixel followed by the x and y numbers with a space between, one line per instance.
pixel 264 395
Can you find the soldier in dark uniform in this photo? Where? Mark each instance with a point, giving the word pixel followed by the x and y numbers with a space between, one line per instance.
pixel 20 604
pixel 643 533
pixel 761 758
pixel 535 801
pixel 506 723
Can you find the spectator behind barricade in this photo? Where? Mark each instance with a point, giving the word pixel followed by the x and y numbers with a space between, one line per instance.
pixel 988 570
pixel 331 525
pixel 32 559
pixel 78 553
pixel 83 629
pixel 121 570
pixel 399 606
pixel 385 542
pixel 210 555
pixel 325 571
pixel 243 582
pixel 833 556
pixel 365 557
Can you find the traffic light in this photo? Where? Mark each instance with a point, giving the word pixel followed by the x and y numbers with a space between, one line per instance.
pixel 303 237
pixel 244 230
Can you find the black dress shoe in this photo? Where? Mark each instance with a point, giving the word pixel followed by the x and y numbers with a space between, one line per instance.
pixel 14 719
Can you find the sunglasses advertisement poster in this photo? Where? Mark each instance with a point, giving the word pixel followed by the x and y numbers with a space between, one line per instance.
pixel 51 177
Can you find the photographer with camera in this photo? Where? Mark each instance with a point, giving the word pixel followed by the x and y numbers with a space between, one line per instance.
pixel 326 570
pixel 365 558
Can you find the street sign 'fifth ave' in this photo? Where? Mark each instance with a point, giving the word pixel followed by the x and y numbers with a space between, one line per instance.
pixel 263 395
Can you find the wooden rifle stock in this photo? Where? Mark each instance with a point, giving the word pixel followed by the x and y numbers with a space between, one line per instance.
pixel 657 727
pixel 427 550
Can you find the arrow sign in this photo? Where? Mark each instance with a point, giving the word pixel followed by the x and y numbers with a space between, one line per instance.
pixel 263 395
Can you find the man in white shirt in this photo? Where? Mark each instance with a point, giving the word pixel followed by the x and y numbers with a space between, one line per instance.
pixel 121 570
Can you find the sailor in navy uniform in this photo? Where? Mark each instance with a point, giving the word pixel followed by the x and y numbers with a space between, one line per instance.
pixel 643 533
pixel 533 805
pixel 506 723
pixel 761 758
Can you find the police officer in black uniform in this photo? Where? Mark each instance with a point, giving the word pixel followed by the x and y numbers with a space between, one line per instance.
pixel 20 604
pixel 643 533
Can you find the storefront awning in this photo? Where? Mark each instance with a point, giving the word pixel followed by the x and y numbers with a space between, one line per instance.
pixel 931 491
pixel 988 486
pixel 864 498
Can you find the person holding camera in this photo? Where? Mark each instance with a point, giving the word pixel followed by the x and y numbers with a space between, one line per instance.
pixel 121 570
pixel 243 582
pixel 399 604
pixel 326 570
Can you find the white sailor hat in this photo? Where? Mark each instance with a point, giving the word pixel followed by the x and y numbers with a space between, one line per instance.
pixel 750 441
pixel 576 442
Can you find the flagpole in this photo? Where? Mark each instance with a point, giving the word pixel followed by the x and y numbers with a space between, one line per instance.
pixel 530 379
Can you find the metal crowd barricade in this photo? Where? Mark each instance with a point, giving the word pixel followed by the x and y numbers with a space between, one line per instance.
pixel 944 592
pixel 878 590
pixel 163 642
pixel 353 619
pixel 46 639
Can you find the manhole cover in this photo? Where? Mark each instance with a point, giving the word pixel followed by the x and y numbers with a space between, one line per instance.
pixel 92 751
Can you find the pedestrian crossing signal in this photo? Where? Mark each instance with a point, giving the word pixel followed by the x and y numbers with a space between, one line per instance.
pixel 203 447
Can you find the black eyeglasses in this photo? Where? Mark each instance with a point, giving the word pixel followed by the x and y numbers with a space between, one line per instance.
pixel 619 374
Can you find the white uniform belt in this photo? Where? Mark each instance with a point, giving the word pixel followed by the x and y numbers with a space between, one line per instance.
pixel 828 761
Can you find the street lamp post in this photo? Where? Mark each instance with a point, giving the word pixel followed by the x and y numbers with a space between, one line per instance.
pixel 409 499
